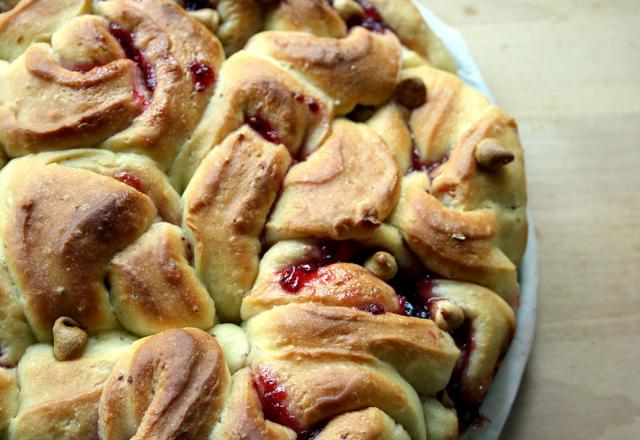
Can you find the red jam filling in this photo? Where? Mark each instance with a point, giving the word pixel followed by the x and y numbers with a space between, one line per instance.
pixel 127 42
pixel 371 19
pixel 296 276
pixel 311 103
pixel 130 179
pixel 429 167
pixel 273 398
pixel 264 128
pixel 413 287
pixel 468 412
pixel 466 343
pixel 415 292
pixel 203 75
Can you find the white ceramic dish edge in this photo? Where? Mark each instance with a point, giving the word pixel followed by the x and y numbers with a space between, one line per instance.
pixel 498 403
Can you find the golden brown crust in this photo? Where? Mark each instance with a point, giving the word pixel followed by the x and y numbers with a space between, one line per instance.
pixel 341 359
pixel 276 80
pixel 103 202
pixel 346 189
pixel 339 284
pixel 454 122
pixel 240 20
pixel 59 400
pixel 70 222
pixel 341 385
pixel 16 26
pixel 405 19
pixel 226 206
pixel 359 69
pixel 81 121
pixel 463 217
pixel 289 111
pixel 416 348
pixel 170 385
pixel 299 143
pixel 136 171
pixel 172 42
pixel 449 112
pixel 390 122
pixel 492 326
pixel 475 186
pixel 154 288
pixel 147 103
pixel 97 47
pixel 455 244
pixel 316 17
pixel 367 424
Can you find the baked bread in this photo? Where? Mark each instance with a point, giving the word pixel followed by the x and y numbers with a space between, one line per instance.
pixel 248 219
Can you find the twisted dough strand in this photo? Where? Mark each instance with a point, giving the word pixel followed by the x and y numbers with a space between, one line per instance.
pixel 169 385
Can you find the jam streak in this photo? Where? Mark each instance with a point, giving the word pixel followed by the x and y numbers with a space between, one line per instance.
pixel 370 19
pixel 264 128
pixel 465 341
pixel 468 411
pixel 203 75
pixel 126 41
pixel 415 290
pixel 294 277
pixel 129 179
pixel 311 103
pixel 415 293
pixel 273 398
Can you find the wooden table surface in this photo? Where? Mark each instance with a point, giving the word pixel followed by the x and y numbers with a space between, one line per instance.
pixel 569 70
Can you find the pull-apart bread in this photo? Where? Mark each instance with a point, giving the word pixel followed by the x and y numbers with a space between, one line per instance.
pixel 248 219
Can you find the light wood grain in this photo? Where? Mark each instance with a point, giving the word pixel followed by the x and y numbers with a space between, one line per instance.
pixel 569 71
